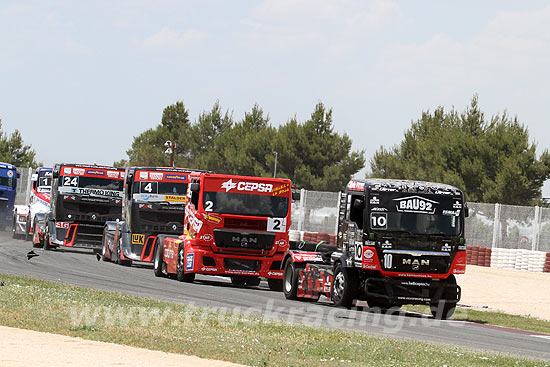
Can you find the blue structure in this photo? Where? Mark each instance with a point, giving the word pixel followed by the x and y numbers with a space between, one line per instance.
pixel 8 185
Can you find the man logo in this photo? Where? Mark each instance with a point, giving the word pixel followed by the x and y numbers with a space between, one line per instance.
pixel 415 263
pixel 244 241
pixel 229 185
pixel 174 227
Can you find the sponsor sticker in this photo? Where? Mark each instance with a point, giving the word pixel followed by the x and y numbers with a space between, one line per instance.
pixel 246 186
pixel 416 204
pixel 112 174
pixel 207 237
pixel 369 254
pixel 138 239
pixel 63 225
pixel 175 198
pixel 156 176
pixel 195 222
pixel 176 177
pixel 95 172
pixel 280 190
pixel 67 171
pixel 189 261
pixel 10 174
pixel 212 218
pixel 143 175
pixel 356 186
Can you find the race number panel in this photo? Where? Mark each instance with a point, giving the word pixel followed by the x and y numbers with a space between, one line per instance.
pixel 276 224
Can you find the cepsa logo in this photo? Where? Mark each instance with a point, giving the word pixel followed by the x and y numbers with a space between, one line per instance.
pixel 246 186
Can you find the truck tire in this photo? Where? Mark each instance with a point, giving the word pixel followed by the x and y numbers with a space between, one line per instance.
pixel 181 275
pixel 104 247
pixel 343 287
pixel 13 228
pixel 27 229
pixel 238 280
pixel 157 260
pixel 444 309
pixel 253 281
pixel 118 251
pixel 35 231
pixel 275 284
pixel 290 280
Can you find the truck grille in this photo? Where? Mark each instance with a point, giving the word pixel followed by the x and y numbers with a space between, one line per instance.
pixel 244 240
pixel 416 261
pixel 241 264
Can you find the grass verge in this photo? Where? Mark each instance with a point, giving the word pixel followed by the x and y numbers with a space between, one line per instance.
pixel 518 322
pixel 251 340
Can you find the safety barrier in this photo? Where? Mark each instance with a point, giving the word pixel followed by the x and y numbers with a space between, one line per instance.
pixel 518 259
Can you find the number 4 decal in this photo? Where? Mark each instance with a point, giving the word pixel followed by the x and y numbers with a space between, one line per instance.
pixel 276 224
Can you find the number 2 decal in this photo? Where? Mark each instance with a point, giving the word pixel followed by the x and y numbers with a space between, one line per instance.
pixel 208 206
pixel 276 224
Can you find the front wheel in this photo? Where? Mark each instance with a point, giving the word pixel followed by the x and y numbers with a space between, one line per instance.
pixel 290 280
pixel 157 261
pixel 119 255
pixel 446 306
pixel 343 289
pixel 104 248
pixel 275 284
pixel 181 275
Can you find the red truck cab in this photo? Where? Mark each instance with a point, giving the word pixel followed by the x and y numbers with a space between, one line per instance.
pixel 234 226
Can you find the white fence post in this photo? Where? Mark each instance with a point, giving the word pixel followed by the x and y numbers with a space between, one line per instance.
pixel 302 208
pixel 536 227
pixel 496 226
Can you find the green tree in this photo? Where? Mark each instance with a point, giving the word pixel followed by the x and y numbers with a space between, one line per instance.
pixel 12 150
pixel 313 155
pixel 248 149
pixel 148 147
pixel 492 161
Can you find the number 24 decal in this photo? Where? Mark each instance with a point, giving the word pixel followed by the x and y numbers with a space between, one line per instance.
pixel 70 181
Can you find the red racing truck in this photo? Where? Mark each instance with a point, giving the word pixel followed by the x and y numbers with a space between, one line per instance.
pixel 399 242
pixel 234 226
pixel 83 198
pixel 153 204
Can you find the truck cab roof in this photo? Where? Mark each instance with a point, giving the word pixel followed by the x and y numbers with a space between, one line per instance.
pixel 399 185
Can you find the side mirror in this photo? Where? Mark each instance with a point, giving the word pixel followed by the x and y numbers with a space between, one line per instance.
pixel 466 211
pixel 359 203
pixel 296 196
pixel 55 174
pixel 17 175
pixel 34 177
pixel 195 187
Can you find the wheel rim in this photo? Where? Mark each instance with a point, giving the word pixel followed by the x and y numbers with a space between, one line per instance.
pixel 288 278
pixel 180 260
pixel 157 260
pixel 339 283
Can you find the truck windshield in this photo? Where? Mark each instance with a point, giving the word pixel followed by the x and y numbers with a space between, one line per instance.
pixel 7 181
pixel 92 183
pixel 45 182
pixel 245 204
pixel 422 214
pixel 166 188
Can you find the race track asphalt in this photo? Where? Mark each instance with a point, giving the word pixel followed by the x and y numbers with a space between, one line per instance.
pixel 80 267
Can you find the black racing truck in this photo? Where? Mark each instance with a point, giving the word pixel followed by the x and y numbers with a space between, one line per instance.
pixel 83 198
pixel 153 204
pixel 399 242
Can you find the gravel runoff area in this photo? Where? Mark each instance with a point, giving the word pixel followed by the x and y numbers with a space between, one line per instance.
pixel 483 288
pixel 518 292
pixel 20 347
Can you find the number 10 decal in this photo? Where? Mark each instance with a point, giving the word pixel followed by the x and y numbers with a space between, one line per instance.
pixel 276 224
pixel 379 220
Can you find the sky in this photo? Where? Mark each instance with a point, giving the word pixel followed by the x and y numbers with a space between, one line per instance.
pixel 80 79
